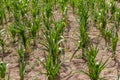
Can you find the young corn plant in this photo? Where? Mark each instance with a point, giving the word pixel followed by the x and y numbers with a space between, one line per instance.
pixel 102 14
pixel 112 8
pixel 22 6
pixel 51 68
pixel 24 40
pixel 73 4
pixel 83 36
pixel 92 4
pixel 2 13
pixel 117 19
pixel 84 42
pixel 2 43
pixel 33 31
pixel 21 24
pixel 94 68
pixel 92 10
pixel 12 32
pixel 35 20
pixel 16 11
pixel 114 44
pixel 22 63
pixel 8 6
pixel 102 20
pixel 23 10
pixel 94 16
pixel 52 43
pixel 101 4
pixel 83 13
pixel 83 23
pixel 55 3
pixel 47 8
pixel 3 68
pixel 47 13
pixel 99 13
pixel 107 34
pixel 63 7
pixel 20 11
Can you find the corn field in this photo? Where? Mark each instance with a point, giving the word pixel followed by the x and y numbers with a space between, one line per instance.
pixel 59 40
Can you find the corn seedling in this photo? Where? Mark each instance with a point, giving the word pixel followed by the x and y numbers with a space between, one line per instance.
pixel 47 12
pixel 8 4
pixel 112 7
pixel 52 42
pixel 21 24
pixel 73 4
pixel 20 11
pixel 33 31
pixel 12 32
pixel 2 43
pixel 22 63
pixel 84 42
pixel 63 7
pixel 94 68
pixel 101 4
pixel 118 77
pixel 35 20
pixel 3 68
pixel 20 30
pixel 51 68
pixel 2 13
pixel 23 7
pixel 117 19
pixel 92 4
pixel 55 3
pixel 83 36
pixel 107 34
pixel 102 15
pixel 92 9
pixel 83 16
pixel 98 12
pixel 114 43
pixel 95 17
pixel 102 20
pixel 83 13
